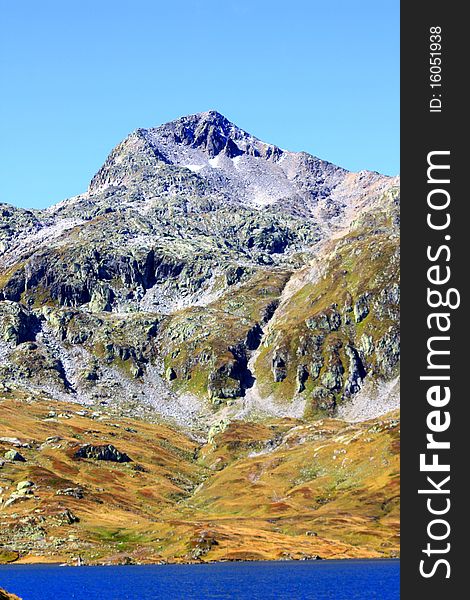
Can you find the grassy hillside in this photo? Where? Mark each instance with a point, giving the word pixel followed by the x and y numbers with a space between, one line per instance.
pixel 283 489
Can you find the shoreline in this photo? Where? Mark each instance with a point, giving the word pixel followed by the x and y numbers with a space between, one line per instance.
pixel 20 563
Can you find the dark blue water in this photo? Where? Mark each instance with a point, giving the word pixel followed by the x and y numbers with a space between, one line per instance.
pixel 314 580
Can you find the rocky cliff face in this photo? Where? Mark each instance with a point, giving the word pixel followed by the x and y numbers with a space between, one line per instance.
pixel 206 275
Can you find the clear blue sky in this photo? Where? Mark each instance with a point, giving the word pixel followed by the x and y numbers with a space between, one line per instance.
pixel 79 75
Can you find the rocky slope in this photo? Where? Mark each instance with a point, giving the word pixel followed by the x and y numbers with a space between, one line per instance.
pixel 81 483
pixel 206 275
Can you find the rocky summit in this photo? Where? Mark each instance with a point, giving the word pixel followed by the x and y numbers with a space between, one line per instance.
pixel 205 280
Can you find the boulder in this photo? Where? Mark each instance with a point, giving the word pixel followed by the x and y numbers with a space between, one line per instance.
pixel 66 517
pixel 76 492
pixel 24 485
pixel 107 452
pixel 170 374
pixel 14 441
pixel 14 455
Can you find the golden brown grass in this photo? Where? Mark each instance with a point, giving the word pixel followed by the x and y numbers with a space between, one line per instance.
pixel 275 490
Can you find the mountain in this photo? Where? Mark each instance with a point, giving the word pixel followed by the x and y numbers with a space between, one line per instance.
pixel 205 271
pixel 238 300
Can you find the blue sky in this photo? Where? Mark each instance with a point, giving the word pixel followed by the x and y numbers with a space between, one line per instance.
pixel 78 76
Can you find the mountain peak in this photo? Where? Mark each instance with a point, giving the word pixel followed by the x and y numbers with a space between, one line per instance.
pixel 210 132
pixel 213 116
pixel 227 162
pixel 210 117
pixel 194 141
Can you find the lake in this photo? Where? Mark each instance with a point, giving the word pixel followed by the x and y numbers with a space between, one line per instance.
pixel 290 580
